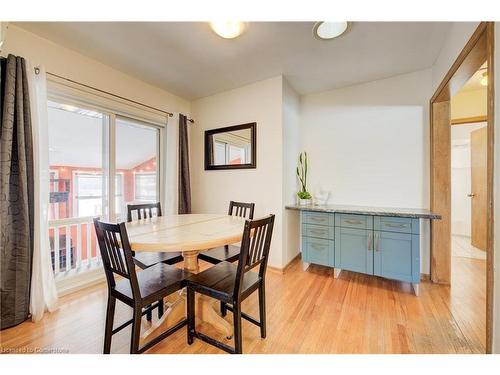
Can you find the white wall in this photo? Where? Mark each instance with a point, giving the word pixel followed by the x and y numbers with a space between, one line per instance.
pixel 291 149
pixel 260 102
pixel 369 144
pixel 461 178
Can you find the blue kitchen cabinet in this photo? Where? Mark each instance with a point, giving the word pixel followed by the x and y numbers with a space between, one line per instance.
pixel 396 249
pixel 318 251
pixel 383 246
pixel 353 250
pixel 318 238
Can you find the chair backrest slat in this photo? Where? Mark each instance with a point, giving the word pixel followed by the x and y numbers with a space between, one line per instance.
pixel 116 254
pixel 241 208
pixel 256 253
pixel 144 211
pixel 255 247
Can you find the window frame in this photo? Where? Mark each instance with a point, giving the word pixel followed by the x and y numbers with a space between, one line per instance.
pixel 69 94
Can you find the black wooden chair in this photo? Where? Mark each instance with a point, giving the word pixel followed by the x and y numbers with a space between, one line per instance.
pixel 140 291
pixel 146 259
pixel 229 253
pixel 231 284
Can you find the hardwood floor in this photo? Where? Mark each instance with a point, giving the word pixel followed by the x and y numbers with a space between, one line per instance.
pixel 308 312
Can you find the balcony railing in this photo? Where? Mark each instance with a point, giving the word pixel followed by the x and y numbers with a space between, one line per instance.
pixel 73 246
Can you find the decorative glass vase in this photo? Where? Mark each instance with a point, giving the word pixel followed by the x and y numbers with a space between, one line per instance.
pixel 305 202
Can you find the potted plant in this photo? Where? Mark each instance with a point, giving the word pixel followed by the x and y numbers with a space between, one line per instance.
pixel 304 196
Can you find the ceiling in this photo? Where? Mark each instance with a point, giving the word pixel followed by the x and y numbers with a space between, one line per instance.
pixel 189 60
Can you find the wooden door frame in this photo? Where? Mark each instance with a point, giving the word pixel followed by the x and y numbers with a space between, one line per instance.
pixel 478 49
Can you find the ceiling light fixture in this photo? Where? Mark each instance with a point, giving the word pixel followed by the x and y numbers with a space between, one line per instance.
pixel 330 30
pixel 228 29
pixel 484 80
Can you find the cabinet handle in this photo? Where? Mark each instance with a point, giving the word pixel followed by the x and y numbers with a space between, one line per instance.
pixel 316 246
pixel 354 222
pixel 376 242
pixel 317 231
pixel 370 241
pixel 396 225
pixel 317 218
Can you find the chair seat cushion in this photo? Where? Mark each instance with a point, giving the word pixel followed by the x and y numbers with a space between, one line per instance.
pixel 229 253
pixel 218 281
pixel 146 259
pixel 155 282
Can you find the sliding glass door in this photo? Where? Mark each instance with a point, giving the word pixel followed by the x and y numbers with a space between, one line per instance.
pixel 99 162
pixel 78 187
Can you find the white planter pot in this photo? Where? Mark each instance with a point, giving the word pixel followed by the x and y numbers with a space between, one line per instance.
pixel 305 202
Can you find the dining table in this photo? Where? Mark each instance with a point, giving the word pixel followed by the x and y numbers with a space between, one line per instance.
pixel 189 234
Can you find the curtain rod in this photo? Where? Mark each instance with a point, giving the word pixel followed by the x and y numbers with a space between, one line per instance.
pixel 170 114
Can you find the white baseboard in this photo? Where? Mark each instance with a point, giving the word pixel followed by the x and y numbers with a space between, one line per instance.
pixel 79 280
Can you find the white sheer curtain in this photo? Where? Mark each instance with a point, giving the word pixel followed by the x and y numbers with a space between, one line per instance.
pixel 171 168
pixel 43 288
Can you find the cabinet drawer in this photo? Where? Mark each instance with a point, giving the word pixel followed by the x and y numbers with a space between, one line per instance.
pixel 395 224
pixel 318 231
pixel 318 218
pixel 318 251
pixel 354 221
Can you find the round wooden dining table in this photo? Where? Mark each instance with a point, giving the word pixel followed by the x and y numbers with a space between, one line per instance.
pixel 190 234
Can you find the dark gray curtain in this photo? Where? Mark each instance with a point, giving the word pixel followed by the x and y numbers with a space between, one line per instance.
pixel 16 196
pixel 184 184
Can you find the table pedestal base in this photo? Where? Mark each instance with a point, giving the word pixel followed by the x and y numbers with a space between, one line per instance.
pixel 191 261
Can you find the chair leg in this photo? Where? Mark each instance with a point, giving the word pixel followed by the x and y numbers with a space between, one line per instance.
pixel 136 330
pixel 190 316
pixel 160 308
pixel 110 315
pixel 149 314
pixel 238 349
pixel 223 308
pixel 262 309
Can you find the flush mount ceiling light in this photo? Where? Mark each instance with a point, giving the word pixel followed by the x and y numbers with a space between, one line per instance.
pixel 330 30
pixel 484 79
pixel 228 29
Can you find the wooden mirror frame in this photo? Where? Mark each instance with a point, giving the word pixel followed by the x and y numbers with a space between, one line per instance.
pixel 253 131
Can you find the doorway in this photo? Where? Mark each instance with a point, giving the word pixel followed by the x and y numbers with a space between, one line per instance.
pixel 468 112
pixel 477 54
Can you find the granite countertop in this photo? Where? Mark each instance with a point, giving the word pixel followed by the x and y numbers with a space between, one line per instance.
pixel 364 210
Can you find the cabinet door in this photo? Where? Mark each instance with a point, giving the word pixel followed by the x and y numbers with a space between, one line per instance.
pixel 353 249
pixel 396 256
pixel 318 251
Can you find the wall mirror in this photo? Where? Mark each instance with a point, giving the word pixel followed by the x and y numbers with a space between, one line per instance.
pixel 232 147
